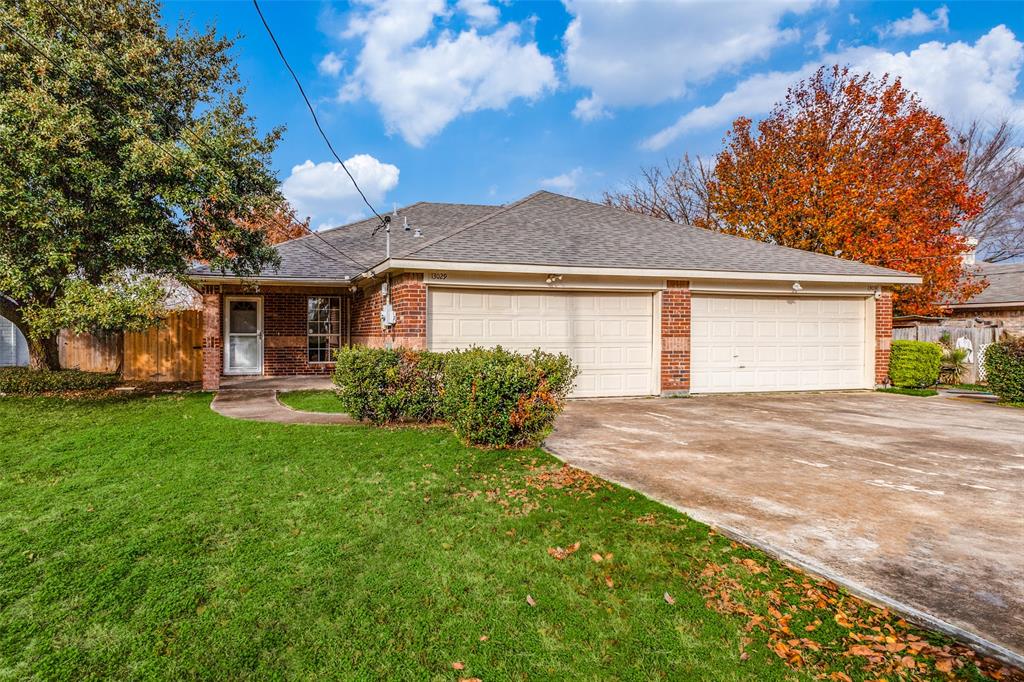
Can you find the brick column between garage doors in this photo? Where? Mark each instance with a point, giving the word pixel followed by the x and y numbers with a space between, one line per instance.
pixel 883 337
pixel 675 338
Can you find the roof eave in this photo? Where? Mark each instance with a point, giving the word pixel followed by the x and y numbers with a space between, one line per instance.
pixel 412 263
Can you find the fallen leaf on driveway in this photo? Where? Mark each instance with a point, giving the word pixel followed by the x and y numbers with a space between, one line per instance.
pixel 530 601
pixel 669 599
pixel 560 553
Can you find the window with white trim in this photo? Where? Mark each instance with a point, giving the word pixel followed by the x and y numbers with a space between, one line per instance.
pixel 323 330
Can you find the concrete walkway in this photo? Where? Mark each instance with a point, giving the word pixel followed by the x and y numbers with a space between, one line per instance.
pixel 262 405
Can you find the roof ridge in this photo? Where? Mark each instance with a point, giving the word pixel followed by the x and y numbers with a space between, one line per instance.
pixel 473 223
pixel 663 221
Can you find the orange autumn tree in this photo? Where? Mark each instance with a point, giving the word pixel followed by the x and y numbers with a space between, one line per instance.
pixel 854 166
pixel 278 224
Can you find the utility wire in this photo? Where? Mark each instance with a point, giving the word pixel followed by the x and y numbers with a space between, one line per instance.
pixel 313 113
pixel 166 114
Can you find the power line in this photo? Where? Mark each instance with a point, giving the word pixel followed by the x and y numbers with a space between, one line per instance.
pixel 309 106
pixel 159 144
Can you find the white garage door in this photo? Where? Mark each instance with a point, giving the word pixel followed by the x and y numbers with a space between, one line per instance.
pixel 608 334
pixel 777 344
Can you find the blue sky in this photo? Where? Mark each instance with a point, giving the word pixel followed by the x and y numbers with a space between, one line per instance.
pixel 480 101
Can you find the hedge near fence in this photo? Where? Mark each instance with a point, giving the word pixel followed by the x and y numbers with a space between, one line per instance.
pixel 25 381
pixel 1004 369
pixel 492 397
pixel 914 364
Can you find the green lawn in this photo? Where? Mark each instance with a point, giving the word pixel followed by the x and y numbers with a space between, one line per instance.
pixel 311 401
pixel 153 538
pixel 919 392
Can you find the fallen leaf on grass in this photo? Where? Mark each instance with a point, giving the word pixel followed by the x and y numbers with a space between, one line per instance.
pixel 944 665
pixel 470 679
pixel 457 665
pixel 669 599
pixel 483 638
pixel 608 581
pixel 596 557
pixel 530 601
pixel 560 553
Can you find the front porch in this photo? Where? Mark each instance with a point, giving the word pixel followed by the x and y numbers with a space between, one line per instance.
pixel 280 384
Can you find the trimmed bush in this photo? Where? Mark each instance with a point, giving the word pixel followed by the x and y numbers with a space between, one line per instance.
pixel 385 386
pixel 914 364
pixel 25 381
pixel 1004 369
pixel 498 398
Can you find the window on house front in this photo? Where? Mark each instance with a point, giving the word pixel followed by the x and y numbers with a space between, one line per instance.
pixel 323 333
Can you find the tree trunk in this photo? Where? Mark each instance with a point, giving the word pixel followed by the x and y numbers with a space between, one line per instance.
pixel 43 353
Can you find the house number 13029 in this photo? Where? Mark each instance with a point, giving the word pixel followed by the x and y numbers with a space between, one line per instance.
pixel 439 275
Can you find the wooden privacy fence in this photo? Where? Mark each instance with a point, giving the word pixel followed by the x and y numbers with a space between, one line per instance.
pixel 170 352
pixel 976 339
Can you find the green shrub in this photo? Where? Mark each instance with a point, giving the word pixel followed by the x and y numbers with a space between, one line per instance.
pixel 499 398
pixel 385 386
pixel 1004 369
pixel 25 381
pixel 914 364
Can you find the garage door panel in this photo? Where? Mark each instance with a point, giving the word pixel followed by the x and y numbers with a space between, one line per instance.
pixel 609 335
pixel 777 343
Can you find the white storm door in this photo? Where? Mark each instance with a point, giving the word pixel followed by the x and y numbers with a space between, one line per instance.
pixel 243 334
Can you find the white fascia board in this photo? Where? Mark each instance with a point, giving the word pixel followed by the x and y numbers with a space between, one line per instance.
pixel 279 281
pixel 409 264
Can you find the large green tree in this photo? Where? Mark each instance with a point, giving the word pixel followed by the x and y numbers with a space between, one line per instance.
pixel 126 152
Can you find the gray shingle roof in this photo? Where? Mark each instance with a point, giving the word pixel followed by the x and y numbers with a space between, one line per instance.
pixel 550 229
pixel 309 258
pixel 545 229
pixel 1005 284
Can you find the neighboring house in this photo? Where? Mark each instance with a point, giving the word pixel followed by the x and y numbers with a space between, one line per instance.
pixel 644 306
pixel 1002 301
pixel 13 347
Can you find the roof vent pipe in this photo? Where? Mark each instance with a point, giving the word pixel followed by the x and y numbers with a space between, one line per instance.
pixel 417 233
pixel 405 223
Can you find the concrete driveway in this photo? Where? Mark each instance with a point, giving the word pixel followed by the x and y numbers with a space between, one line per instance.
pixel 917 502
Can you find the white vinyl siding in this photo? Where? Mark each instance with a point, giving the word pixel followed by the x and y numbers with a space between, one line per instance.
pixel 13 347
pixel 609 335
pixel 776 343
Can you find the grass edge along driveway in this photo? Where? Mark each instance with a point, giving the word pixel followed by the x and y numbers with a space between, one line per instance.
pixel 150 537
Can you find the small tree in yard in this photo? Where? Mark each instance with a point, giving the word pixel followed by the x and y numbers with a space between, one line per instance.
pixel 125 154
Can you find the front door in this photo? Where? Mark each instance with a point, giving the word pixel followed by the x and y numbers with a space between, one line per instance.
pixel 243 331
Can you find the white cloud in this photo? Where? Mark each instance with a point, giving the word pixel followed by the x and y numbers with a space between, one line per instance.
pixel 821 38
pixel 958 80
pixel 634 52
pixel 566 182
pixel 480 12
pixel 330 65
pixel 917 24
pixel 421 80
pixel 323 190
pixel 590 109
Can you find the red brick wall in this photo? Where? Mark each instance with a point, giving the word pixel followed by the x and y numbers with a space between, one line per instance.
pixel 408 298
pixel 883 336
pixel 675 337
pixel 213 355
pixel 284 328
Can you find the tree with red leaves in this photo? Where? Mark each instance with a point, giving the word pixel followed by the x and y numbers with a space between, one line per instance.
pixel 855 166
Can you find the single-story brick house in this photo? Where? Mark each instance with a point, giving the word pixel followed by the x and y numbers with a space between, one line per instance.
pixel 645 306
pixel 1002 302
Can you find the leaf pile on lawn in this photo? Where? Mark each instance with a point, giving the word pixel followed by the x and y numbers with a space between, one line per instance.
pixel 520 494
pixel 810 623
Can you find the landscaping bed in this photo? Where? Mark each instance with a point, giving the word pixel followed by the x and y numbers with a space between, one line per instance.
pixel 150 537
